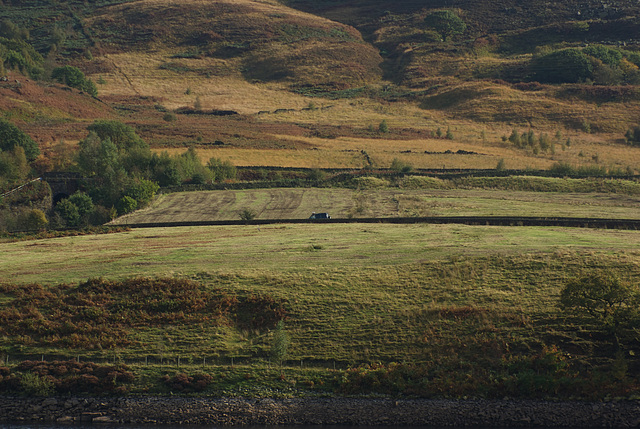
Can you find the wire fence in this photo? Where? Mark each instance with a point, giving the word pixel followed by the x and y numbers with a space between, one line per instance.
pixel 177 361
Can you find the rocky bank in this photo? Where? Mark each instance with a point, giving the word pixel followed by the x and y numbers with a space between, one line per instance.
pixel 331 411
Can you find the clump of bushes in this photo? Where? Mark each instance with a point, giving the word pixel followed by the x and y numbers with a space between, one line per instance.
pixel 100 313
pixel 184 383
pixel 601 64
pixel 423 182
pixel 43 378
pixel 73 77
pixel 633 136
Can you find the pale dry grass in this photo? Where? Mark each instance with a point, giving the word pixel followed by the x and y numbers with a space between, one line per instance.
pixel 139 74
pixel 346 152
pixel 288 249
pixel 478 122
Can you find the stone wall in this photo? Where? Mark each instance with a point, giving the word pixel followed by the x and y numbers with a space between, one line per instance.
pixel 343 411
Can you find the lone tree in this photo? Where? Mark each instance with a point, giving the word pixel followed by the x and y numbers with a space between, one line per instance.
pixel 446 22
pixel 633 136
pixel 11 136
pixel 280 345
pixel 605 299
pixel 564 66
pixel 73 77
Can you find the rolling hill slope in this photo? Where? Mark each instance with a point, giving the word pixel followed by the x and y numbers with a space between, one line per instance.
pixel 300 74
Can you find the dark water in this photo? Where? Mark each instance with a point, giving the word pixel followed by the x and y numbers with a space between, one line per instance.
pixel 117 426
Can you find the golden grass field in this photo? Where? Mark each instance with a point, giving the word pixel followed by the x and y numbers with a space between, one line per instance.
pixel 286 249
pixel 299 203
pixel 168 69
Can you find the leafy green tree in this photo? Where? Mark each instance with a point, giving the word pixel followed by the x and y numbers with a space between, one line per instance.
pixel 83 202
pixel 449 134
pixel 20 55
pixel 13 164
pixel 137 161
pixel 515 138
pixel 633 136
pixel 190 166
pixel 400 166
pixel 126 205
pixel 142 191
pixel 12 136
pixel 221 170
pixel 9 30
pixel 97 157
pixel 605 299
pixel 122 135
pixel 164 170
pixel 99 160
pixel 73 77
pixel 35 220
pixel 564 66
pixel 280 345
pixel 68 212
pixel 383 127
pixel 446 22
pixel 607 55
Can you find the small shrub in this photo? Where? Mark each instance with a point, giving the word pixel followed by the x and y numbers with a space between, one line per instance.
pixel 280 345
pixel 184 383
pixel 633 136
pixel 12 136
pixel 400 166
pixel 36 220
pixel 73 77
pixel 383 127
pixel 446 22
pixel 68 212
pixel 35 385
pixel 449 135
pixel 126 205
pixel 247 214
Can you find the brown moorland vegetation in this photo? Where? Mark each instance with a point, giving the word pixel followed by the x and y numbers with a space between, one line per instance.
pixel 299 81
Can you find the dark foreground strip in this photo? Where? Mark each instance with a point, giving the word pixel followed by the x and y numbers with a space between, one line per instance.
pixel 632 224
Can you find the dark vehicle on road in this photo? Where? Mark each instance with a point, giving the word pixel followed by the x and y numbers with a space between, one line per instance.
pixel 315 215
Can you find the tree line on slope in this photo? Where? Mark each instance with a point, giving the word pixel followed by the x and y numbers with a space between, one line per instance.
pixel 120 173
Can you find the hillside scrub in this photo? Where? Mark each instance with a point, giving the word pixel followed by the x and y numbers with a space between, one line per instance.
pixel 73 77
pixel 12 136
pixel 489 326
pixel 98 314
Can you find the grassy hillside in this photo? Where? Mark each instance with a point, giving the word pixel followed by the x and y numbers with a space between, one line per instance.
pixel 378 200
pixel 469 311
pixel 301 81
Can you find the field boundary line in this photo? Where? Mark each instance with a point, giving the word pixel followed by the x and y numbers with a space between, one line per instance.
pixel 571 222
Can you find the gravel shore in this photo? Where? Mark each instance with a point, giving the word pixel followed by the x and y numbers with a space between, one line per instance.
pixel 331 411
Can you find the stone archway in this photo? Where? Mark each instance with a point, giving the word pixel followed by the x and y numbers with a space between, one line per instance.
pixel 62 184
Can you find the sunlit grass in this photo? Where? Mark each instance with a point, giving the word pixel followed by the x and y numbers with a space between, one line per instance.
pixel 284 248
